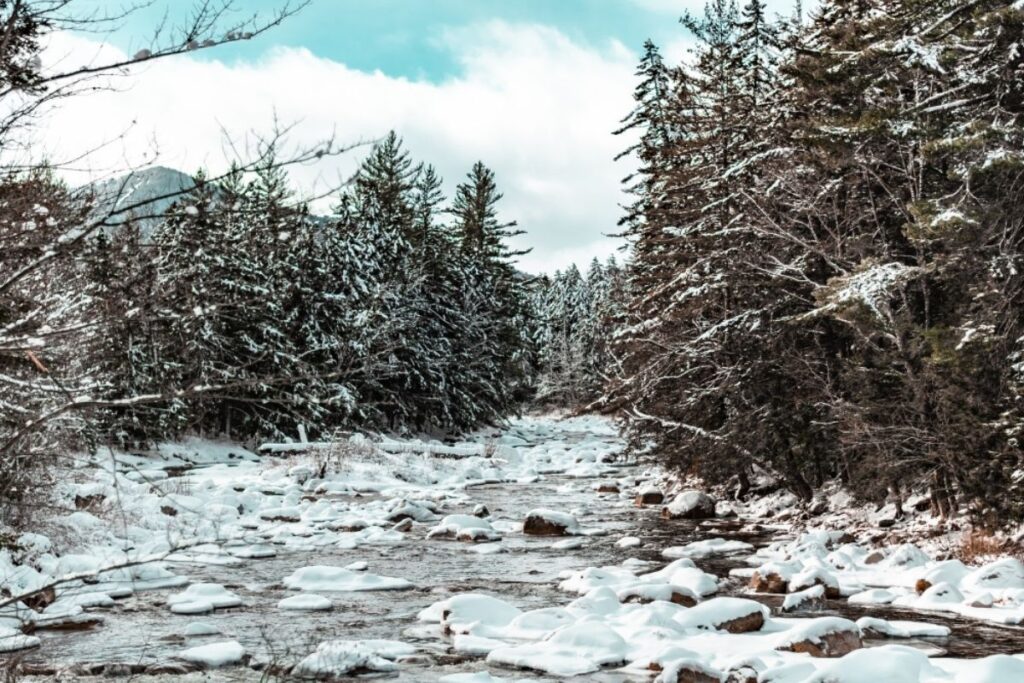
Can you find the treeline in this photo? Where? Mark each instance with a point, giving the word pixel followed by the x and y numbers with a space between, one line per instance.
pixel 827 277
pixel 574 317
pixel 240 314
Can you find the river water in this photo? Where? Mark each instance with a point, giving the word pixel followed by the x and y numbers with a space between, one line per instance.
pixel 139 630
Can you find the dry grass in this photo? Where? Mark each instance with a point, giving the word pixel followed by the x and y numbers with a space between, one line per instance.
pixel 978 546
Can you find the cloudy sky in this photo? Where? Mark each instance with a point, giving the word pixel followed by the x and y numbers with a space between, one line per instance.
pixel 531 87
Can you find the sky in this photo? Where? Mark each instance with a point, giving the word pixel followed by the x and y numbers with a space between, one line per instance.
pixel 533 88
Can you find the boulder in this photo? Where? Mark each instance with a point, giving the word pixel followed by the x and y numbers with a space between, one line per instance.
pixel 688 671
pixel 766 580
pixel 649 496
pixel 549 523
pixel 735 615
pixel 812 598
pixel 607 488
pixel 690 505
pixel 823 637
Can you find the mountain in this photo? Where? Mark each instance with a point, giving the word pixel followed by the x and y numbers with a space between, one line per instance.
pixel 152 189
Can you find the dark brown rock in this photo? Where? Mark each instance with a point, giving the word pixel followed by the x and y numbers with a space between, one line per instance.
pixel 751 622
pixel 169 511
pixel 922 585
pixel 608 488
pixel 90 502
pixel 831 644
pixel 40 599
pixel 874 557
pixel 649 498
pixel 769 583
pixel 539 526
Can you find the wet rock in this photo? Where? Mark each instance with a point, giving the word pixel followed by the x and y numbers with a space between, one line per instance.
pixel 647 593
pixel 735 615
pixel 818 507
pixel 549 523
pixel 806 600
pixel 689 671
pixel 744 674
pixel 650 496
pixel 608 488
pixel 874 557
pixel 886 523
pixel 172 668
pixel 169 510
pixel 823 637
pixel 90 502
pixel 40 599
pixel 690 505
pixel 766 581
pixel 816 576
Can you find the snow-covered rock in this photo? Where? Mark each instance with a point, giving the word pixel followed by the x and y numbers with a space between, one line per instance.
pixel 325 578
pixel 690 505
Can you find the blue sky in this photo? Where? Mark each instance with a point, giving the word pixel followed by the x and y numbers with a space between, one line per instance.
pixel 534 88
pixel 405 37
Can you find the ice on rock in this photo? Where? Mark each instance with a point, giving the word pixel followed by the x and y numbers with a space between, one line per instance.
pixel 306 602
pixel 327 578
pixel 465 528
pixel 214 655
pixel 628 542
pixel 200 598
pixel 575 650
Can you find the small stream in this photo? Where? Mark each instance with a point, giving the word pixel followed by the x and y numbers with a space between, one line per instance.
pixel 139 630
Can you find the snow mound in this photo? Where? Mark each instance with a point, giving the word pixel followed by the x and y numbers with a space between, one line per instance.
pixel 337 579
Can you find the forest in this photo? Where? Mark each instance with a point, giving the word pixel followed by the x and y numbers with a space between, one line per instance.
pixel 822 278
pixel 826 271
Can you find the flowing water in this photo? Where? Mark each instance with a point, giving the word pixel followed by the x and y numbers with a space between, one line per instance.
pixel 139 630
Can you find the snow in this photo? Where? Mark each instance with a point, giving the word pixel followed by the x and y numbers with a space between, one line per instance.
pixel 617 615
pixel 465 528
pixel 200 598
pixel 215 655
pixel 571 651
pixel 337 579
pixel 706 548
pixel 340 657
pixel 308 602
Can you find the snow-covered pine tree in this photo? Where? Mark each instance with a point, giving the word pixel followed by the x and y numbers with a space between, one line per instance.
pixel 495 296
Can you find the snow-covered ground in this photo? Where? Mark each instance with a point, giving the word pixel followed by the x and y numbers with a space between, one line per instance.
pixel 513 556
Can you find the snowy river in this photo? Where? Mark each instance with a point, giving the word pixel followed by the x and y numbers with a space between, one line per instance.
pixel 358 564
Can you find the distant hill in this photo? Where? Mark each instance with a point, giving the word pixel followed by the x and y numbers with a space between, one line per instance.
pixel 138 187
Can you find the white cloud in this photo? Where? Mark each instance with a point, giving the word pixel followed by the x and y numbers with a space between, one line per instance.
pixel 531 103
